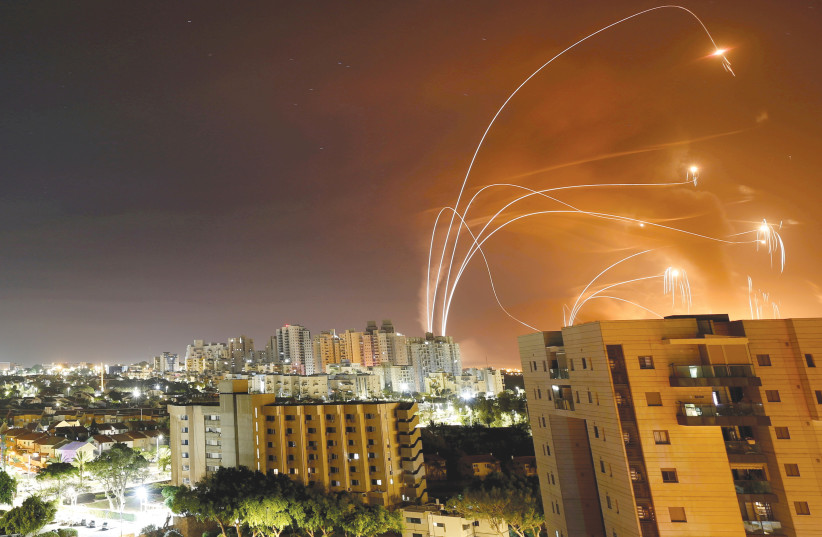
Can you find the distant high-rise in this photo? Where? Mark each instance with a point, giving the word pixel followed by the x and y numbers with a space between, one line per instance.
pixel 203 357
pixel 240 350
pixel 432 354
pixel 327 348
pixel 294 349
pixel 166 362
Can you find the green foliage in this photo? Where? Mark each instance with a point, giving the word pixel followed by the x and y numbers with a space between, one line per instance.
pixel 151 531
pixel 30 517
pixel 115 469
pixel 67 532
pixel 370 520
pixel 506 502
pixel 80 462
pixel 164 458
pixel 57 475
pixel 173 533
pixel 48 534
pixel 8 488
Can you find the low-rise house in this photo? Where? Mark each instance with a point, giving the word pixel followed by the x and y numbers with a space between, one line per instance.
pixel 140 440
pixel 68 451
pixel 123 439
pixel 435 521
pixel 46 446
pixel 525 465
pixel 25 442
pixel 112 428
pixel 102 442
pixel 71 432
pixel 480 466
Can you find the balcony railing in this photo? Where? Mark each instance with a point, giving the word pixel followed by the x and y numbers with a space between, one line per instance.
pixel 558 373
pixel 748 486
pixel 723 410
pixel 705 371
pixel 710 375
pixel 728 414
pixel 742 447
pixel 763 527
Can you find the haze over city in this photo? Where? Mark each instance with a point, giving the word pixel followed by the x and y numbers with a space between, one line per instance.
pixel 203 170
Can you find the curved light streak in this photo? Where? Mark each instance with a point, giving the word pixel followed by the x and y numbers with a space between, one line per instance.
pixel 719 52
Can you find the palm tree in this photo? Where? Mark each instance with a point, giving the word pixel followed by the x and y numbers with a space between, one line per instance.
pixel 81 458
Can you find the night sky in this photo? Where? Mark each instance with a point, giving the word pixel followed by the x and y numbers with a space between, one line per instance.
pixel 182 170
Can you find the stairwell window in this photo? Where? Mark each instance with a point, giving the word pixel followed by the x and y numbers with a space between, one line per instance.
pixel 763 360
pixel 653 398
pixel 801 508
pixel 646 362
pixel 773 396
pixel 792 470
pixel 677 514
pixel 809 360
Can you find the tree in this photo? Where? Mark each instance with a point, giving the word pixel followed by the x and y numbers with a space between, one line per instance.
pixel 370 520
pixel 30 517
pixel 322 512
pixel 219 497
pixel 80 461
pixel 267 515
pixel 57 475
pixel 164 458
pixel 8 488
pixel 115 469
pixel 506 502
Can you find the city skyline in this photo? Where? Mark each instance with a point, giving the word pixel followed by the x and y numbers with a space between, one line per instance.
pixel 196 171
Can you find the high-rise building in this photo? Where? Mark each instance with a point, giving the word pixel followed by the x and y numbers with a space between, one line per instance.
pixel 202 357
pixel 294 349
pixel 166 362
pixel 432 354
pixel 327 349
pixel 240 351
pixel 373 449
pixel 689 425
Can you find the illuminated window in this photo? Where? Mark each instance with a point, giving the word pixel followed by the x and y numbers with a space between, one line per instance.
pixel 646 362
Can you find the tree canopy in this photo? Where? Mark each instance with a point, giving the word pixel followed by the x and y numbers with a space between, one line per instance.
pixel 115 469
pixel 28 518
pixel 506 502
pixel 8 488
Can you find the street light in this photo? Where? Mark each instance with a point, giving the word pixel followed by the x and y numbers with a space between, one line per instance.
pixel 159 437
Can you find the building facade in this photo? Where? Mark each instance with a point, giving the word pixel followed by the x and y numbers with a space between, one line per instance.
pixel 373 449
pixel 690 425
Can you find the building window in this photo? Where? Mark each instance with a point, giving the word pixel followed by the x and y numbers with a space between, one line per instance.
pixel 669 475
pixel 801 508
pixel 763 359
pixel 416 535
pixel 291 458
pixel 355 482
pixel 270 418
pixel 312 430
pixel 289 430
pixel 370 429
pixel 646 362
pixel 372 455
pixel 772 396
pixel 571 363
pixel 291 444
pixel 269 431
pixel 608 500
pixel 271 444
pixel 792 470
pixel 653 398
pixel 596 431
pixel 782 433
pixel 809 360
pixel 379 482
pixel 590 398
pixel 819 396
pixel 677 514
pixel 271 458
pixel 584 363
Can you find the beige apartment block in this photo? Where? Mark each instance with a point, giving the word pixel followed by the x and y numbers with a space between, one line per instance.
pixel 683 426
pixel 436 521
pixel 373 449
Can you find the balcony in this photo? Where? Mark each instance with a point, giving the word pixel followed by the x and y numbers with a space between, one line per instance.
pixel 744 451
pixel 563 404
pixel 727 415
pixel 763 527
pixel 641 490
pixel 750 486
pixel 648 528
pixel 713 375
pixel 558 374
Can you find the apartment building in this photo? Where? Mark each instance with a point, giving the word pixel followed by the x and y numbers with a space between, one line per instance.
pixel 373 449
pixel 436 521
pixel 688 425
